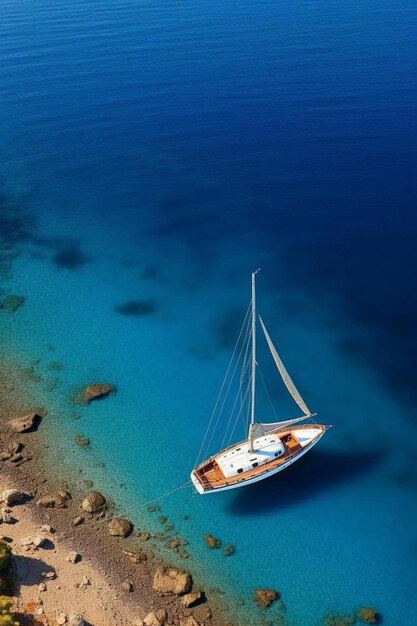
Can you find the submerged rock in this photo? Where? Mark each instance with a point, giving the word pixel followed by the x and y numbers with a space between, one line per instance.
pixel 265 597
pixel 94 391
pixel 27 422
pixel 229 550
pixel 172 580
pixel 367 615
pixel 93 502
pixel 11 303
pixel 82 441
pixel 120 527
pixel 211 541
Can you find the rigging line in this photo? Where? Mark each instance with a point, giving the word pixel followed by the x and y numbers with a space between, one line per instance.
pixel 238 415
pixel 267 393
pixel 222 386
pixel 227 391
pixel 162 496
pixel 231 415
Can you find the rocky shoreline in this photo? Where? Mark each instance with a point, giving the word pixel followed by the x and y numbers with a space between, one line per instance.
pixel 81 527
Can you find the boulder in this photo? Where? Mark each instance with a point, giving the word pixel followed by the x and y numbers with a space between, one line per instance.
pixel 120 527
pixel 192 598
pixel 211 541
pixel 367 615
pixel 56 499
pixel 172 580
pixel 25 423
pixel 265 597
pixel 93 502
pixel 94 391
pixel 12 496
pixel 156 618
pixel 77 521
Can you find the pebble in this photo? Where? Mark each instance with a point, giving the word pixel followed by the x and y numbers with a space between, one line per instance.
pixel 73 557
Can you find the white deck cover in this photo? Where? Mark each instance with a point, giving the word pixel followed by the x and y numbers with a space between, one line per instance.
pixel 266 449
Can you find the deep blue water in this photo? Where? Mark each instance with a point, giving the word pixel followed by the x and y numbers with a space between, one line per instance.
pixel 157 153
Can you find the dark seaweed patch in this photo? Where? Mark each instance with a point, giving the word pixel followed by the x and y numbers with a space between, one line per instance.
pixel 70 257
pixel 137 307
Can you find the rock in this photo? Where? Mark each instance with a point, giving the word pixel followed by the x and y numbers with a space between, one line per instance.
pixel 76 619
pixel 154 507
pixel 162 519
pixel 48 575
pixel 82 441
pixel 12 496
pixel 25 423
pixel 84 583
pixel 38 541
pixel 229 550
pixel 143 536
pixel 212 542
pixel 265 597
pixel 127 585
pixel 93 502
pixel 77 521
pixel 11 450
pixel 172 580
pixel 189 621
pixel 73 557
pixel 120 527
pixel 11 303
pixel 6 517
pixel 156 618
pixel 367 615
pixel 57 499
pixel 193 598
pixel 41 587
pixel 61 619
pixel 47 529
pixel 92 392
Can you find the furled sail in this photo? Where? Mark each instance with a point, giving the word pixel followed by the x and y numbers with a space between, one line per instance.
pixel 259 430
pixel 284 374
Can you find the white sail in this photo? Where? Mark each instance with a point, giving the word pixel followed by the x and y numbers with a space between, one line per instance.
pixel 284 374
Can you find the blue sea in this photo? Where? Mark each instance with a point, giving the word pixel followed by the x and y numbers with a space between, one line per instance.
pixel 151 156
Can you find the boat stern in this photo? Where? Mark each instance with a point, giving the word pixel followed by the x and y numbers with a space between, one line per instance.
pixel 197 484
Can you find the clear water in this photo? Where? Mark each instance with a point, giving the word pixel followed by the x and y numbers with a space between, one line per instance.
pixel 159 153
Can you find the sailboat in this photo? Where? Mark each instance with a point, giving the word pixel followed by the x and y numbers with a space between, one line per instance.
pixel 268 448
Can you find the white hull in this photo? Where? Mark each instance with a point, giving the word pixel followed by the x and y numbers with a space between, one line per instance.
pixel 256 479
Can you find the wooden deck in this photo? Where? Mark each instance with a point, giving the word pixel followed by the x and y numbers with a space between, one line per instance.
pixel 211 476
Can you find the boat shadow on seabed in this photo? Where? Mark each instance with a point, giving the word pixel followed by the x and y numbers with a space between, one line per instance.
pixel 318 472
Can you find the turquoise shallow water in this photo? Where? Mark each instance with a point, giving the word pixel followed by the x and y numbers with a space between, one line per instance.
pixel 160 153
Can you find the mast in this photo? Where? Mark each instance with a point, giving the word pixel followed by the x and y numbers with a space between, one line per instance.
pixel 253 377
